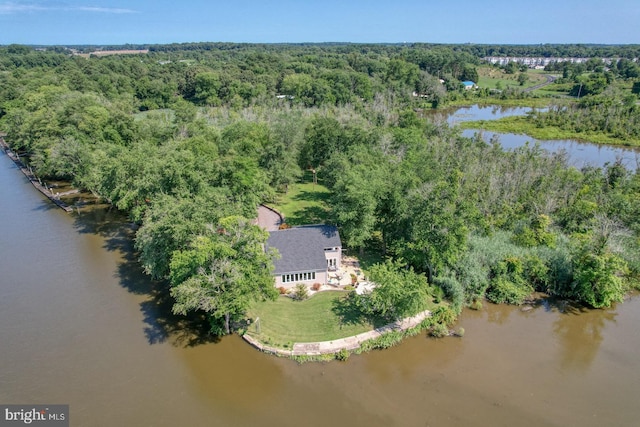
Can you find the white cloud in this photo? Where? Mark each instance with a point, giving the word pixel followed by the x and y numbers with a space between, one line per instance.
pixel 8 8
pixel 102 9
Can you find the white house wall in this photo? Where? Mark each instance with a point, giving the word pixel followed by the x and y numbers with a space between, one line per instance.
pixel 336 255
pixel 321 277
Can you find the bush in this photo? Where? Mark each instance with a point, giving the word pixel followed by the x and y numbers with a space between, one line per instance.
pixel 453 291
pixel 282 290
pixel 444 315
pixel 300 292
pixel 437 293
pixel 439 330
pixel 316 286
pixel 342 355
pixel 476 305
pixel 504 290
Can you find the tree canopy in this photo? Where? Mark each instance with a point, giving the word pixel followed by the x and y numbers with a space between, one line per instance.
pixel 188 139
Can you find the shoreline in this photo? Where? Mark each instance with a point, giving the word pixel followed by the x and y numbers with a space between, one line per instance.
pixel 333 347
pixel 35 181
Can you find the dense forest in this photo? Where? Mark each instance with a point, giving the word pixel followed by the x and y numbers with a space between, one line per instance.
pixel 189 139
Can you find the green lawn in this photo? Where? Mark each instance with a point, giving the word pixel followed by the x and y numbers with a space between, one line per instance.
pixel 304 203
pixel 324 317
pixel 285 321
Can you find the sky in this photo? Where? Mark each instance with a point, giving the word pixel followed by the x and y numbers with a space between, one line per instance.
pixel 67 22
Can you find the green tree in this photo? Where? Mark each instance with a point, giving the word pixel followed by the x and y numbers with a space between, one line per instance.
pixel 223 272
pixel 359 185
pixel 597 279
pixel 399 292
pixel 206 86
pixel 438 233
pixel 171 222
pixel 523 78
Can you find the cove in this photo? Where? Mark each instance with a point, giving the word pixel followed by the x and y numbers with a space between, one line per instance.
pixel 579 153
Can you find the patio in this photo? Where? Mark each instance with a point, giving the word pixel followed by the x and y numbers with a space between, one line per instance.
pixel 343 277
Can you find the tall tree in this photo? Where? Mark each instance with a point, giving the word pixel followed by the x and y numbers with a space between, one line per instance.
pixel 223 272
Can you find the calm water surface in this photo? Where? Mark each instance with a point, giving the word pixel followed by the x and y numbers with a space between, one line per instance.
pixel 580 153
pixel 79 324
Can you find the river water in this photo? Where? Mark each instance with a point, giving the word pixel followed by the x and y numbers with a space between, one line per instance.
pixel 580 153
pixel 81 325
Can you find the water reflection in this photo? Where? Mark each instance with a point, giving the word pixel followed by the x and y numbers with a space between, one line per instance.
pixel 578 330
pixel 580 153
pixel 161 325
pixel 499 313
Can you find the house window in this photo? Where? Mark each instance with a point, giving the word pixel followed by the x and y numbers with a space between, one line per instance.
pixel 297 277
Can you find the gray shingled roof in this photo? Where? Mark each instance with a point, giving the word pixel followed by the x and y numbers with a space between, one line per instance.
pixel 302 248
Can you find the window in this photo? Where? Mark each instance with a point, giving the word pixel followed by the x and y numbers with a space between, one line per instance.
pixel 297 277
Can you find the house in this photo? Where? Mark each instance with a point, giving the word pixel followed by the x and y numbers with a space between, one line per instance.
pixel 307 254
pixel 469 84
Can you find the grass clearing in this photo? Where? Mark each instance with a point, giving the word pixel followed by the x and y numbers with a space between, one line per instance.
pixel 319 318
pixel 285 321
pixel 305 202
pixel 495 78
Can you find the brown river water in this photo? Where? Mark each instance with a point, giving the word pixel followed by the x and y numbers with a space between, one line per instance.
pixel 81 325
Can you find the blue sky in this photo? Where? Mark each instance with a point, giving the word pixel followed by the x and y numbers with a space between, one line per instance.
pixel 159 21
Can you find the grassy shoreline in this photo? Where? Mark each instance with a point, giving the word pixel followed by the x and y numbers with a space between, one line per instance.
pixel 520 125
pixel 285 321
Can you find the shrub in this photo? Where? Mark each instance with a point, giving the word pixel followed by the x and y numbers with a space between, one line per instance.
pixel 504 290
pixel 282 290
pixel 439 330
pixel 300 292
pixel 316 286
pixel 476 305
pixel 437 293
pixel 444 315
pixel 342 355
pixel 453 291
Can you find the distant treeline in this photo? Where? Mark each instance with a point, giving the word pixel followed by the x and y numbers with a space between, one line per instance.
pixel 628 51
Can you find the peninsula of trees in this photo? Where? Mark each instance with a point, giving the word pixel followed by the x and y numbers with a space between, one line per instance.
pixel 188 139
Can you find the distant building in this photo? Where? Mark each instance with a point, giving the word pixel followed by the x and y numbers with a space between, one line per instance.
pixel 307 254
pixel 468 84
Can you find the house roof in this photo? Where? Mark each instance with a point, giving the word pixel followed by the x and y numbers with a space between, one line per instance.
pixel 468 83
pixel 302 248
